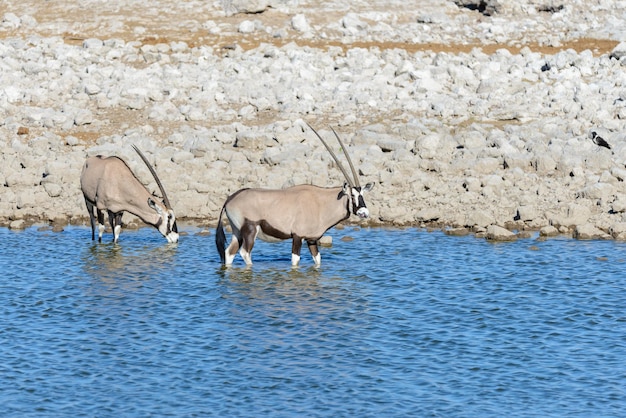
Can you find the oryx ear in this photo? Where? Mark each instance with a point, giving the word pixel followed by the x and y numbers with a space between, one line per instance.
pixel 368 187
pixel 346 188
pixel 152 204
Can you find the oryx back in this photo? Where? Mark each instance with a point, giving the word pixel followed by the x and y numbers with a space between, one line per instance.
pixel 108 183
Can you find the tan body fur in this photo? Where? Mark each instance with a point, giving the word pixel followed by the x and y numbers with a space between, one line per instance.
pixel 109 185
pixel 299 213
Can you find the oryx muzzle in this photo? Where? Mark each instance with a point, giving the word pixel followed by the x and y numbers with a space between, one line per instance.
pixel 302 212
pixel 108 184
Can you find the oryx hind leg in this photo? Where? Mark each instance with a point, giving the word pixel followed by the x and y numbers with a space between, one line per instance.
pixel 231 251
pixel 248 236
pixel 233 247
pixel 315 252
pixel 92 218
pixel 100 224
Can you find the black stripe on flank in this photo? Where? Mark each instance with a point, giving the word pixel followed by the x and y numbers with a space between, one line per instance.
pixel 271 231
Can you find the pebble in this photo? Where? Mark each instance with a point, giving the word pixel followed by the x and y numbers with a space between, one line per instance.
pixel 470 140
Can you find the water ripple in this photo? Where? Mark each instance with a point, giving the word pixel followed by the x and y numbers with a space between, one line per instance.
pixel 436 325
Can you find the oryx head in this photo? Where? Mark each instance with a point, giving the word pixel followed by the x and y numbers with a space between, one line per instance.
pixel 351 188
pixel 167 220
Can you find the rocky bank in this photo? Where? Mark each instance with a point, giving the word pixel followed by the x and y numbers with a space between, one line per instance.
pixel 485 116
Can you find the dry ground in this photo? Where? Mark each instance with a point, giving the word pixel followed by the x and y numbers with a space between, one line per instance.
pixel 173 21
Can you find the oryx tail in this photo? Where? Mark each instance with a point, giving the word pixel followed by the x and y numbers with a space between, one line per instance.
pixel 220 237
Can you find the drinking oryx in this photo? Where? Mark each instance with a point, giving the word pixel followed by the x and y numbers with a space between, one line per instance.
pixel 302 212
pixel 108 184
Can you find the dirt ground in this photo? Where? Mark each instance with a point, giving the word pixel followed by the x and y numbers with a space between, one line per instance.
pixel 166 21
pixel 179 21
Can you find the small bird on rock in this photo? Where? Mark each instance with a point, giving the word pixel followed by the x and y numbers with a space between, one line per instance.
pixel 598 140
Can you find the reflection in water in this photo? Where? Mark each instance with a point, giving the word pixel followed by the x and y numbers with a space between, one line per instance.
pixel 268 284
pixel 295 303
pixel 108 262
pixel 120 277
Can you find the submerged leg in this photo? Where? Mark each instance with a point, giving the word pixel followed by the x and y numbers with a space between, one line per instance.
pixel 248 235
pixel 100 224
pixel 231 251
pixel 115 219
pixel 233 247
pixel 317 257
pixel 296 246
pixel 118 225
pixel 92 218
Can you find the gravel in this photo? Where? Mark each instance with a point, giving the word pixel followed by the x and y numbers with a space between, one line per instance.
pixel 467 116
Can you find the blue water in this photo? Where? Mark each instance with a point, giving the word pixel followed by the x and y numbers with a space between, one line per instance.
pixel 396 322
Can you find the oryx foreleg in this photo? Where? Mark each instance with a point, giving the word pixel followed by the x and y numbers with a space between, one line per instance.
pixel 296 246
pixel 315 252
pixel 248 236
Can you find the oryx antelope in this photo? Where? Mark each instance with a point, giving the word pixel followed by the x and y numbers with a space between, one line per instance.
pixel 303 212
pixel 108 184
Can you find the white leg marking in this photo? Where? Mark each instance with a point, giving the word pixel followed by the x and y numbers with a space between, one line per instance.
pixel 100 230
pixel 116 232
pixel 318 259
pixel 295 259
pixel 230 255
pixel 246 256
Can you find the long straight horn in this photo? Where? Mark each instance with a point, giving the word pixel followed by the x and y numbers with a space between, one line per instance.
pixel 332 154
pixel 156 178
pixel 345 151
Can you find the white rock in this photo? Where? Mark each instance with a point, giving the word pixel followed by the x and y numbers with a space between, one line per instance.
pixel 92 43
pixel 527 213
pixel 10 21
pixel 247 26
pixel 53 189
pixel 589 231
pixel 244 6
pixel 18 224
pixel 478 217
pixel 548 231
pixel 497 233
pixel 300 23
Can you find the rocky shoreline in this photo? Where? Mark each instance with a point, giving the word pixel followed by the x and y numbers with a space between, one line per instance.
pixel 487 119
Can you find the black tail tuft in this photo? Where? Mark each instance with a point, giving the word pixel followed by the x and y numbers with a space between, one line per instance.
pixel 220 238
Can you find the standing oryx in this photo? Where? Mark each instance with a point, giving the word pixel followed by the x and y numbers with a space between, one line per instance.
pixel 303 212
pixel 109 184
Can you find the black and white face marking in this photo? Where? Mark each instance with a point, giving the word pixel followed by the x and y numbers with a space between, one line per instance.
pixel 166 223
pixel 171 221
pixel 358 202
pixel 172 229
